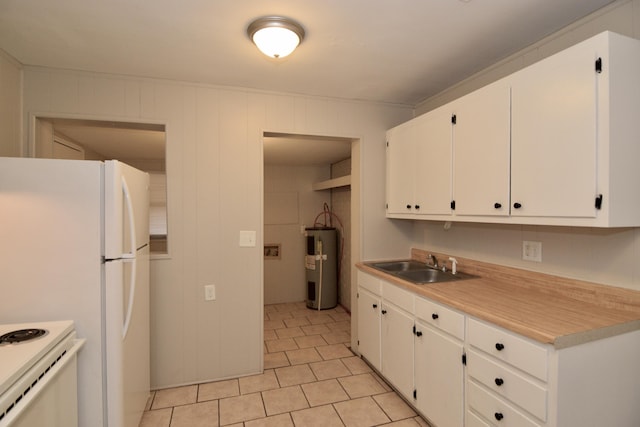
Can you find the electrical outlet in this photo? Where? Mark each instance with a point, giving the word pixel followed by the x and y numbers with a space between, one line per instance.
pixel 531 251
pixel 210 292
pixel 247 239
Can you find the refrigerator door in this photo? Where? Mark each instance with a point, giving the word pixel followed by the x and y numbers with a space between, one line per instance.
pixel 126 210
pixel 126 293
pixel 127 334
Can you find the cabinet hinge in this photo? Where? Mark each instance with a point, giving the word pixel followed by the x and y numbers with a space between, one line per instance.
pixel 454 119
pixel 599 65
pixel 464 359
pixel 453 205
pixel 599 202
pixel 358 342
pixel 414 329
pixel 386 205
pixel 357 294
pixel 415 394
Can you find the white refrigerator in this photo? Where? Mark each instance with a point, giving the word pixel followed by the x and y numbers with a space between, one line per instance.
pixel 74 245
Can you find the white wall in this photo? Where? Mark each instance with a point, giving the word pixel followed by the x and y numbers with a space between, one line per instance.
pixel 602 256
pixel 215 190
pixel 10 105
pixel 289 203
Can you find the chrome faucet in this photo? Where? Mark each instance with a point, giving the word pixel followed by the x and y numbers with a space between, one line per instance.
pixel 434 260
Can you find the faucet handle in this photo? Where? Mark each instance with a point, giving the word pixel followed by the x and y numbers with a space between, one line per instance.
pixel 434 260
pixel 454 265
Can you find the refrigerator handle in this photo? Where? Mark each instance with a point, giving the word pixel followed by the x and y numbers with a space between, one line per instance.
pixel 132 294
pixel 130 257
pixel 131 218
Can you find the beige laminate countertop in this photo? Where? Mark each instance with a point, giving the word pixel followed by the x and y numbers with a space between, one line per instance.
pixel 549 309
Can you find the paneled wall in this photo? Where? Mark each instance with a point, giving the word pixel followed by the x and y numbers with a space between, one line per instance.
pixel 215 190
pixel 289 204
pixel 602 256
pixel 10 105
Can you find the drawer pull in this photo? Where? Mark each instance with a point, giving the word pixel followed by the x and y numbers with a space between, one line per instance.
pixel 375 305
pixel 499 346
pixel 434 316
pixel 499 381
pixel 498 416
pixel 419 333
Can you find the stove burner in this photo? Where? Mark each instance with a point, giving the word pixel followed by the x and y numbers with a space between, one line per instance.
pixel 22 335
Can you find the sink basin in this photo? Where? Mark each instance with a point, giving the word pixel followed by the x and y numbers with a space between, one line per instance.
pixel 417 272
pixel 397 266
pixel 430 275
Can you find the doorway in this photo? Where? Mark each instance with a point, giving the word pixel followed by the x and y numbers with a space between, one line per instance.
pixel 307 182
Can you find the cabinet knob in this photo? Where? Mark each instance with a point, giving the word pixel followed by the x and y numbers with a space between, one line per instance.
pixel 417 206
pixel 434 316
pixel 419 333
pixel 375 305
pixel 384 311
pixel 517 205
pixel 497 205
pixel 498 416
pixel 499 346
pixel 408 206
pixel 499 381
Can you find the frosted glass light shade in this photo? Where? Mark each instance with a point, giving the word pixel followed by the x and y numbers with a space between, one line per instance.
pixel 275 36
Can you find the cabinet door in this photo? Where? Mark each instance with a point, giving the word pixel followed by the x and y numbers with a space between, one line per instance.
pixel 481 151
pixel 433 154
pixel 439 377
pixel 397 348
pixel 401 162
pixel 553 162
pixel 369 327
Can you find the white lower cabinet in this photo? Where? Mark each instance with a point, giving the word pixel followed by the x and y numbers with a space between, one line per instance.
pixel 369 327
pixel 397 338
pixel 369 306
pixel 508 380
pixel 439 376
pixel 515 381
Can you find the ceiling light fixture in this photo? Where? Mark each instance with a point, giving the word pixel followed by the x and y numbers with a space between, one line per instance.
pixel 275 36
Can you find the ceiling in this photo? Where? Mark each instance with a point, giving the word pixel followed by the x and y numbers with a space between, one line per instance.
pixel 397 51
pixel 115 140
pixel 300 150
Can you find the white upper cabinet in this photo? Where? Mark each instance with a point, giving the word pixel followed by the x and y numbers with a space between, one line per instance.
pixel 574 136
pixel 481 151
pixel 556 143
pixel 554 134
pixel 401 169
pixel 419 165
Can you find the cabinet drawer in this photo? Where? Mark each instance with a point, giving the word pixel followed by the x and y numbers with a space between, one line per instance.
pixel 508 383
pixel 441 317
pixel 369 282
pixel 495 409
pixel 509 347
pixel 398 296
pixel 472 420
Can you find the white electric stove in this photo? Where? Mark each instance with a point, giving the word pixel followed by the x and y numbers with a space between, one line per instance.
pixel 38 374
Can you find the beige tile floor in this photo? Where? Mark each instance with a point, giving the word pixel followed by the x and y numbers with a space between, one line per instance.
pixel 311 378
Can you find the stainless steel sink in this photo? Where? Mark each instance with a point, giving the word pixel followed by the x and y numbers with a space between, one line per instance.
pixel 397 266
pixel 431 275
pixel 417 272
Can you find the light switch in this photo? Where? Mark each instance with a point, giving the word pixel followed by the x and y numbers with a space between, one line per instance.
pixel 247 239
pixel 210 292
